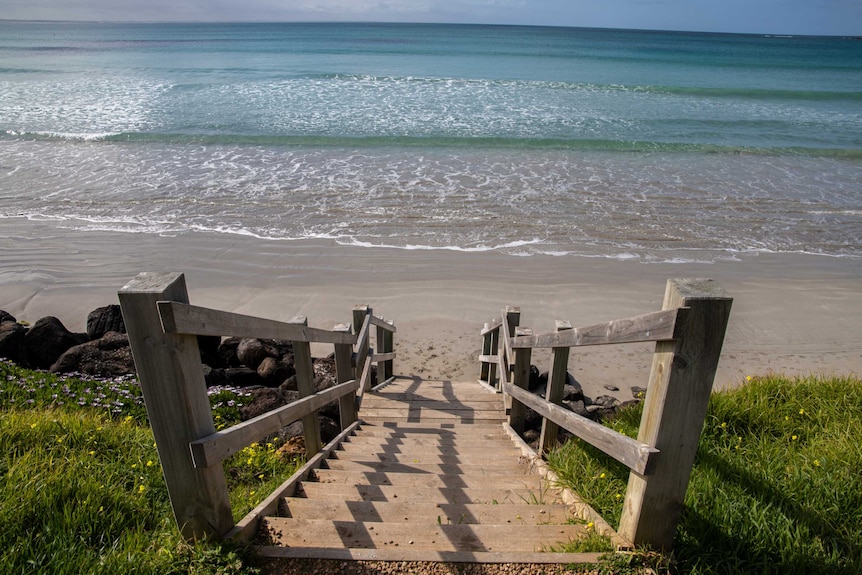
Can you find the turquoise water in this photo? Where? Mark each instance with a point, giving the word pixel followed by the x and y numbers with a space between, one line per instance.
pixel 650 146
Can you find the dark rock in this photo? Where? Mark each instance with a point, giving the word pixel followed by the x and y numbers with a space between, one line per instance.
pixel 324 373
pixel 47 340
pixel 534 378
pixel 263 399
pixel 606 401
pixel 532 420
pixel 576 406
pixel 329 429
pixel 6 317
pixel 542 381
pixel 214 375
pixel 109 356
pixel 104 319
pixel 628 403
pixel 531 437
pixel 251 352
pixel 573 390
pixel 208 346
pixel 292 430
pixel 330 410
pixel 242 377
pixel 290 383
pixel 274 371
pixel 638 392
pixel 610 387
pixel 12 342
pixel 227 352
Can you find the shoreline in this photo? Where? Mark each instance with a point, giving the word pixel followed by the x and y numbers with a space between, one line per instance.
pixel 792 313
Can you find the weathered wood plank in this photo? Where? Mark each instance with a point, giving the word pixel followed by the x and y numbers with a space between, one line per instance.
pixel 448 538
pixel 343 373
pixel 384 357
pixel 555 390
pixel 486 496
pixel 194 320
pixel 427 512
pixel 674 410
pixel 630 452
pixel 304 366
pixel 220 445
pixel 656 326
pixel 383 324
pixel 420 480
pixel 491 326
pixel 520 380
pixel 169 370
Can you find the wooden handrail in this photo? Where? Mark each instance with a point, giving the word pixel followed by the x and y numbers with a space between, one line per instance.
pixel 489 327
pixel 635 455
pixel 382 323
pixel 662 325
pixel 214 448
pixel 181 318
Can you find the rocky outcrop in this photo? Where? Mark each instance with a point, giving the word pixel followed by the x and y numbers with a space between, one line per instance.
pixel 47 340
pixel 104 319
pixel 109 356
pixel 12 339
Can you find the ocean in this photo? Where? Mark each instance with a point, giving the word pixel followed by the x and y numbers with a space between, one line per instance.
pixel 632 145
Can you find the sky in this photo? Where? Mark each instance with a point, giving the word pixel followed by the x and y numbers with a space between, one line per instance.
pixel 816 17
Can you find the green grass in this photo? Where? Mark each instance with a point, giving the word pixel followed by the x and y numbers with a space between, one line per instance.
pixel 81 489
pixel 776 486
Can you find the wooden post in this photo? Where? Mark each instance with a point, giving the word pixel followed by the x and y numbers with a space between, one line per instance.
pixel 344 372
pixel 521 378
pixel 385 344
pixel 304 366
pixel 674 411
pixel 359 314
pixel 494 349
pixel 175 394
pixel 554 392
pixel 486 350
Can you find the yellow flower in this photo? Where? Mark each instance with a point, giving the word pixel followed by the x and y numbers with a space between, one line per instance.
pixel 33 426
pixel 618 495
pixel 724 425
pixel 101 508
pixel 590 525
pixel 793 437
pixel 801 412
pixel 134 465
pixel 260 476
pixel 816 463
pixel 141 488
pixel 92 453
pixel 251 493
pixel 149 463
pixel 747 378
pixel 602 476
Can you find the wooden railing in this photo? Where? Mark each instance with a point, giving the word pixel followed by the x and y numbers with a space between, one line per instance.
pixel 689 332
pixel 163 330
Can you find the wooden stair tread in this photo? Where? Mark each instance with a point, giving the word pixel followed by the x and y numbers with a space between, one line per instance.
pixel 437 458
pixel 484 495
pixel 514 481
pixel 324 533
pixel 415 465
pixel 413 512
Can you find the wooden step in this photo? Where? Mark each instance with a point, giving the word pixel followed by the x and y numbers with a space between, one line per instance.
pixel 511 467
pixel 519 481
pixel 416 413
pixel 440 429
pixel 412 512
pixel 484 495
pixel 489 441
pixel 478 538
pixel 492 458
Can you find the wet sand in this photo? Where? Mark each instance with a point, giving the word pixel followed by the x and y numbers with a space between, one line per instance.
pixel 792 313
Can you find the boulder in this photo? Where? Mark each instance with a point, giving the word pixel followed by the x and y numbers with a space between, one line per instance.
pixel 104 319
pixel 213 376
pixel 109 356
pixel 264 399
pixel 242 377
pixel 48 339
pixel 6 317
pixel 227 353
pixel 274 371
pixel 12 342
pixel 252 352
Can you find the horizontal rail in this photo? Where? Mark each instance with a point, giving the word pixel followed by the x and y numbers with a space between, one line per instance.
pixel 222 444
pixel 194 320
pixel 637 456
pixel 495 324
pixel 489 358
pixel 378 357
pixel 380 322
pixel 656 326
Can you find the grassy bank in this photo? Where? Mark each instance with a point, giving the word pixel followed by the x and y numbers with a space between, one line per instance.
pixel 81 490
pixel 776 486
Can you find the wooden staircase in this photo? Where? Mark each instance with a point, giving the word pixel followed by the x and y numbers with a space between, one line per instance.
pixel 429 475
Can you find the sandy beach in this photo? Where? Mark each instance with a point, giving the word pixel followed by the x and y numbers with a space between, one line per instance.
pixel 792 313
